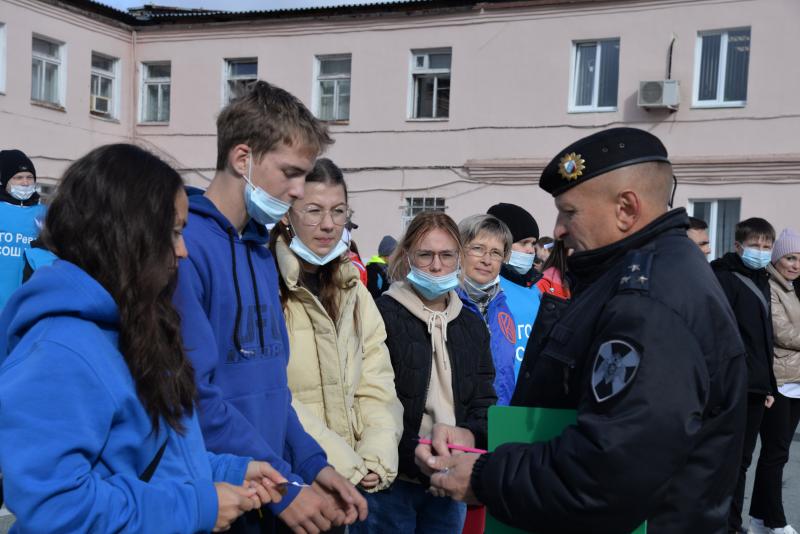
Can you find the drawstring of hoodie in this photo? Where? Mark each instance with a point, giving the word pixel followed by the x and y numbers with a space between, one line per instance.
pixel 238 319
pixel 260 324
pixel 442 318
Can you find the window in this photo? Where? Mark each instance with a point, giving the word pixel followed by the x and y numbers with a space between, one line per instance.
pixel 240 74
pixel 721 216
pixel 723 58
pixel 2 58
pixel 415 205
pixel 155 92
pixel 333 88
pixel 102 87
pixel 46 80
pixel 430 80
pixel 595 76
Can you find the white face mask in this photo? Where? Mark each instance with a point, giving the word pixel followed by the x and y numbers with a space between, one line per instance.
pixel 260 205
pixel 303 252
pixel 22 192
pixel 521 262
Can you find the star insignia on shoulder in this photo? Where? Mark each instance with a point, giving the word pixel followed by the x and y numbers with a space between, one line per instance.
pixel 642 279
pixel 635 267
pixel 624 279
pixel 571 166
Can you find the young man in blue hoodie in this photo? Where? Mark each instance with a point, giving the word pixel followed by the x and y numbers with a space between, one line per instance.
pixel 233 325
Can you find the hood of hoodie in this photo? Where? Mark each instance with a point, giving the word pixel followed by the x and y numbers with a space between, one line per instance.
pixel 201 205
pixel 403 293
pixel 62 289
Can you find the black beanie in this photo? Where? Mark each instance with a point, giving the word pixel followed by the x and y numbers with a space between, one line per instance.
pixel 12 162
pixel 520 222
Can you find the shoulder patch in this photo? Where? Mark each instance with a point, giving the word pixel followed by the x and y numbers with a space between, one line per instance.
pixel 636 272
pixel 614 368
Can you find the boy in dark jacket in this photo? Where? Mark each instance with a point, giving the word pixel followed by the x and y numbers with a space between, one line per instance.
pixel 743 277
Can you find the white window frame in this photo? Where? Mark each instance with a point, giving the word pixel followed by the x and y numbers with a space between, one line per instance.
pixel 415 72
pixel 226 75
pixel 316 93
pixel 113 75
pixel 720 102
pixel 3 58
pixel 428 204
pixel 60 62
pixel 573 77
pixel 145 81
pixel 713 216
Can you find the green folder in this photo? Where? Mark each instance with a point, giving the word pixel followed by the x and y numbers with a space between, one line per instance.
pixel 515 424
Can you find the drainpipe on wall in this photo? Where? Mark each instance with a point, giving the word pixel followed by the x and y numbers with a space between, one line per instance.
pixel 135 95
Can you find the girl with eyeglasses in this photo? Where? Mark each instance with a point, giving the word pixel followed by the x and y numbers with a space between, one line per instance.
pixel 444 373
pixel 339 370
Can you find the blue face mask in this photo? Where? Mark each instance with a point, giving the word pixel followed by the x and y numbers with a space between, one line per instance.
pixel 262 206
pixel 22 192
pixel 432 287
pixel 308 255
pixel 756 259
pixel 521 262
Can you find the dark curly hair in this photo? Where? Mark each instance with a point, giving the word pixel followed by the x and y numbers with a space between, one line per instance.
pixel 113 216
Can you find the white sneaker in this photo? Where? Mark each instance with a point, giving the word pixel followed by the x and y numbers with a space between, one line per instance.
pixel 757 526
pixel 783 530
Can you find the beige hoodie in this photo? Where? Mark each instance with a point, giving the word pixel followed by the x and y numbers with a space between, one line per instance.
pixel 439 405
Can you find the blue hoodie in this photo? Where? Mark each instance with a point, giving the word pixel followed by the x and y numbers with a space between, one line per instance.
pixel 74 436
pixel 227 288
pixel 524 305
pixel 503 334
pixel 19 225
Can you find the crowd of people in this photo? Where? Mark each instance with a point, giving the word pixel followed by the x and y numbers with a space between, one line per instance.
pixel 186 360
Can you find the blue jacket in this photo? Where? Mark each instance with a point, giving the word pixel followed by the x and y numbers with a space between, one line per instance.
pixel 503 336
pixel 227 288
pixel 524 305
pixel 74 436
pixel 19 225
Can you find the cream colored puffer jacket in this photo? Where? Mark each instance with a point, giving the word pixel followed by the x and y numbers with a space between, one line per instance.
pixel 786 324
pixel 341 377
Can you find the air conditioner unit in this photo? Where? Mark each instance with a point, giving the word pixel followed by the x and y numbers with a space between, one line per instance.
pixel 659 94
pixel 101 105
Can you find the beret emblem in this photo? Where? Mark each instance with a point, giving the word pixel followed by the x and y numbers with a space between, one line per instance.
pixel 571 166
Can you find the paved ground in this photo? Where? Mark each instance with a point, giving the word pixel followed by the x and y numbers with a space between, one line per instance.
pixel 791 491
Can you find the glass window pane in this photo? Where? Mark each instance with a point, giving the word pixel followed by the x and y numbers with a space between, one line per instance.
pixel 709 67
pixel 46 48
pixel 326 108
pixel 702 210
pixel 163 114
pixel 51 82
pixel 330 67
pixel 102 63
pixel 151 103
pixel 584 73
pixel 94 85
pixel 158 71
pixel 443 97
pixel 609 74
pixel 439 61
pixel 343 108
pixel 243 68
pixel 424 97
pixel 36 80
pixel 727 217
pixel 105 87
pixel 327 87
pixel 737 65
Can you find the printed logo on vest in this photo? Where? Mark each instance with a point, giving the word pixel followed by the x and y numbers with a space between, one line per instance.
pixel 506 323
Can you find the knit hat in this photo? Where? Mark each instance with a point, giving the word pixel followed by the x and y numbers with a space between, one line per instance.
pixel 520 222
pixel 387 246
pixel 787 243
pixel 12 162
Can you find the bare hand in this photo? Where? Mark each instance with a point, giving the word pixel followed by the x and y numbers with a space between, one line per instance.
pixel 305 514
pixel 452 478
pixel 371 480
pixel 264 479
pixel 232 501
pixel 441 437
pixel 349 499
pixel 770 401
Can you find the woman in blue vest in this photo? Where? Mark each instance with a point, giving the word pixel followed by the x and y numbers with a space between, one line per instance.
pixel 518 275
pixel 21 217
pixel 487 244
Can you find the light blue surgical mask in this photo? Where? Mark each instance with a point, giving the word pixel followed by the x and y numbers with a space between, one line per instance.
pixel 756 259
pixel 478 292
pixel 308 255
pixel 22 192
pixel 430 286
pixel 262 206
pixel 521 262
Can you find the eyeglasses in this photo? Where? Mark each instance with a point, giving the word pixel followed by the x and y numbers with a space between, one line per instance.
pixel 479 251
pixel 424 258
pixel 314 215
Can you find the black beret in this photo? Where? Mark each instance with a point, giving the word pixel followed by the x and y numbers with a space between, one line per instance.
pixel 519 221
pixel 598 154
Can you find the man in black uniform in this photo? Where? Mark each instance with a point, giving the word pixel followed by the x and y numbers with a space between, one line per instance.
pixel 647 352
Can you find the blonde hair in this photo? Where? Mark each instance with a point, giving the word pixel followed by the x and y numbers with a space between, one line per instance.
pixel 421 226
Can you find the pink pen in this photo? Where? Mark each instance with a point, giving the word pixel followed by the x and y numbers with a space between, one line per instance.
pixel 455 447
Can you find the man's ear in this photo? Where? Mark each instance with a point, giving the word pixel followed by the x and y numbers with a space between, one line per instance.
pixel 628 210
pixel 238 159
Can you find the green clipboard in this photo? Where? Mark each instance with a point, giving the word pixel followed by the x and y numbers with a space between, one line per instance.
pixel 516 424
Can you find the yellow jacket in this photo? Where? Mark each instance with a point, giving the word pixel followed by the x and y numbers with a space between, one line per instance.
pixel 341 376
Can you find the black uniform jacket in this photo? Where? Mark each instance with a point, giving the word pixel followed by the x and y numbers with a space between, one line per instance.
pixel 754 321
pixel 649 354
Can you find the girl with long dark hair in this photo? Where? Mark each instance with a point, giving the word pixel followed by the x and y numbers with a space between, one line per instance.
pixel 98 430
